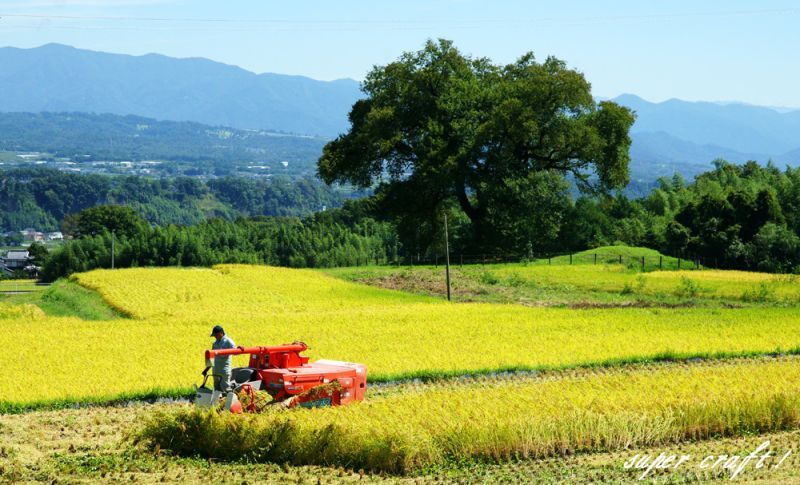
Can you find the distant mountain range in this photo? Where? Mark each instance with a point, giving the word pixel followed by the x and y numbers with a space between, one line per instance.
pixel 741 127
pixel 687 136
pixel 59 78
pixel 670 136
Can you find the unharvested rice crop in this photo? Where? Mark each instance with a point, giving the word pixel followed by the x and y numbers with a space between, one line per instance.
pixel 503 419
pixel 618 278
pixel 235 291
pixel 20 312
pixel 160 349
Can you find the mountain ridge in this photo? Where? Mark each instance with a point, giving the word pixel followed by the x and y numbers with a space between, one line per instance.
pixel 56 78
pixel 59 78
pixel 744 128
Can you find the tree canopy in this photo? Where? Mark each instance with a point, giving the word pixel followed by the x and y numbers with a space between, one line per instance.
pixel 119 219
pixel 440 129
pixel 338 237
pixel 42 198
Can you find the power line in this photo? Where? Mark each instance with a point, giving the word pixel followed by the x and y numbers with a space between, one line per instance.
pixel 677 15
pixel 223 25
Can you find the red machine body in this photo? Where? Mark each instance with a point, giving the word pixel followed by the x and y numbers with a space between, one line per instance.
pixel 288 376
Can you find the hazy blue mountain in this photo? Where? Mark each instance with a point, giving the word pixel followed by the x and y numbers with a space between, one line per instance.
pixel 687 136
pixel 738 127
pixel 59 78
pixel 661 154
pixel 668 136
pixel 791 157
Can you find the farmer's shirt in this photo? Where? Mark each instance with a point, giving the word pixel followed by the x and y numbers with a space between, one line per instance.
pixel 222 363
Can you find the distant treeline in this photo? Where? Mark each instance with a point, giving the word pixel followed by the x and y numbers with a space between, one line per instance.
pixel 341 237
pixel 735 216
pixel 43 198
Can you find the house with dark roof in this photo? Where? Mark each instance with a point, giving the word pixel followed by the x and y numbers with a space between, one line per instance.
pixel 15 260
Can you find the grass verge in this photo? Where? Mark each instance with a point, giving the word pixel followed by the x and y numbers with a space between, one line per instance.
pixel 65 298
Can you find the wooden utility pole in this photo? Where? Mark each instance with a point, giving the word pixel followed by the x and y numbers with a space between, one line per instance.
pixel 447 257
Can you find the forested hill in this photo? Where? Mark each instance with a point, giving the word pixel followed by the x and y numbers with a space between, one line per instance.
pixel 84 136
pixel 42 198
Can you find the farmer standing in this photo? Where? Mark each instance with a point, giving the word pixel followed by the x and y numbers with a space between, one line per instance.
pixel 222 363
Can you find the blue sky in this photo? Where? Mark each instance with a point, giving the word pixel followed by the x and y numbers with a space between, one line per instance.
pixel 696 50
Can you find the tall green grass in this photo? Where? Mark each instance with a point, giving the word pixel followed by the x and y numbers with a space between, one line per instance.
pixel 68 299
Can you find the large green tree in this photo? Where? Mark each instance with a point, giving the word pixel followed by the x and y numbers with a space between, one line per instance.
pixel 95 221
pixel 438 126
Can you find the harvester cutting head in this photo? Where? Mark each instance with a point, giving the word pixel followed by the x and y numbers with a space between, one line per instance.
pixel 288 377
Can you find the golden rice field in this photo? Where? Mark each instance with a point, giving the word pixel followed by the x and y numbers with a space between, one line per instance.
pixel 741 285
pixel 160 348
pixel 20 312
pixel 503 419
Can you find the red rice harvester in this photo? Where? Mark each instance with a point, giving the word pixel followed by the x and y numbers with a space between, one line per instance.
pixel 288 377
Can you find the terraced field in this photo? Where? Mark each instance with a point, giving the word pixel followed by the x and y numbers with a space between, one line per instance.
pixel 158 351
pixel 565 363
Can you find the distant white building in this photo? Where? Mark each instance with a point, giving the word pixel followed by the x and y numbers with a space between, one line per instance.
pixel 55 236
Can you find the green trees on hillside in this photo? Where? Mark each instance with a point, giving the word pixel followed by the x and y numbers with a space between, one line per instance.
pixel 121 220
pixel 732 217
pixel 735 216
pixel 499 148
pixel 43 198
